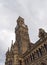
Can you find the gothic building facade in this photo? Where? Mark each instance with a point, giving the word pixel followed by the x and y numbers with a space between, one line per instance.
pixel 24 52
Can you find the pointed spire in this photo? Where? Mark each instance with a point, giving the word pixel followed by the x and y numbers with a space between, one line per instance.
pixel 12 43
pixel 7 52
pixel 20 20
pixel 8 49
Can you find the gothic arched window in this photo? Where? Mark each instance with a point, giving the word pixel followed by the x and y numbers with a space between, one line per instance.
pixel 20 62
pixel 45 46
pixel 33 56
pixel 10 62
pixel 37 53
pixel 25 61
pixel 40 51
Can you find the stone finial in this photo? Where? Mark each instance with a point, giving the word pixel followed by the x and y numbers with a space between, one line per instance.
pixel 12 41
pixel 20 20
pixel 8 50
pixel 42 33
pixel 12 45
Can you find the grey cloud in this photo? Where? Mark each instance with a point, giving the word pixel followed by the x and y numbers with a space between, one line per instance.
pixel 33 11
pixel 5 42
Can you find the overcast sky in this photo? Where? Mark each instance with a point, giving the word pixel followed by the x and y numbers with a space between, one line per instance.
pixel 33 11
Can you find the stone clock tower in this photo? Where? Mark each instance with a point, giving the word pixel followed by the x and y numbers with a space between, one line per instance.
pixel 23 52
pixel 22 36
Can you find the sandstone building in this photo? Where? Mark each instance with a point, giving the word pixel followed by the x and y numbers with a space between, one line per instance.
pixel 24 52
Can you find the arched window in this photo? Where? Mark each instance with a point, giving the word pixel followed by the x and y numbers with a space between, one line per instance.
pixel 10 62
pixel 45 46
pixel 25 61
pixel 20 62
pixel 33 56
pixel 40 51
pixel 37 53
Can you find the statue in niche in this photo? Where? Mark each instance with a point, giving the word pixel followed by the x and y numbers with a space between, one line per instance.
pixel 42 33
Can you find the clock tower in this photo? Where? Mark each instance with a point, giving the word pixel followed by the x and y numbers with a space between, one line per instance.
pixel 22 36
